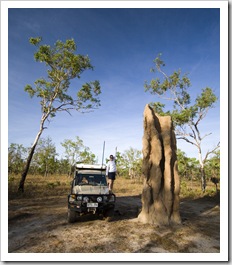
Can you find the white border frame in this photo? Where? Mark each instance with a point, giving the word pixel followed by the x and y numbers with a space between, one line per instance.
pixel 223 255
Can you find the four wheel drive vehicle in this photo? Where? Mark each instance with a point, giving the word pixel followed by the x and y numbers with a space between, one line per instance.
pixel 90 193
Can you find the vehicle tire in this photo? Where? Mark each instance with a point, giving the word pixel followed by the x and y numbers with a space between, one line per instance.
pixel 109 214
pixel 72 216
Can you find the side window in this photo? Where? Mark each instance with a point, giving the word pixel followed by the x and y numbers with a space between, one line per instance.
pixel 78 179
pixel 100 179
pixel 103 180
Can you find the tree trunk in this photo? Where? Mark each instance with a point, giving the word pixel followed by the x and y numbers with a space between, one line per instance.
pixel 25 171
pixel 46 171
pixel 203 181
pixel 27 166
pixel 160 195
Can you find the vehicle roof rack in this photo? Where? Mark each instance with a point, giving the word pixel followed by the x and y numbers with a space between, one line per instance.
pixel 90 166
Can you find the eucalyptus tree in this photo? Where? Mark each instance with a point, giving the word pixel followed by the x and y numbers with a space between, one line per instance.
pixel 121 169
pixel 132 159
pixel 182 163
pixel 186 116
pixel 76 151
pixel 45 156
pixel 129 162
pixel 72 151
pixel 213 166
pixel 62 166
pixel 188 167
pixel 86 156
pixel 63 65
pixel 16 158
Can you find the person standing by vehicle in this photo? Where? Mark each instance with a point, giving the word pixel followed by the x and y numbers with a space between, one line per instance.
pixel 111 172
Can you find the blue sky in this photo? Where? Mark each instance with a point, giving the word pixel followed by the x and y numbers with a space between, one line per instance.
pixel 121 43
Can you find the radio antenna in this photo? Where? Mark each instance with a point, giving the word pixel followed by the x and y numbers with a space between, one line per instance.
pixel 115 151
pixel 103 152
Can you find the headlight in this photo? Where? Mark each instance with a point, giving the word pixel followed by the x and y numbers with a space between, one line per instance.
pixel 99 199
pixel 111 199
pixel 71 198
pixel 79 198
pixel 85 199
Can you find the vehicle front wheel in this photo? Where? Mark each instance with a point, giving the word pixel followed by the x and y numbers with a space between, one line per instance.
pixel 72 216
pixel 109 214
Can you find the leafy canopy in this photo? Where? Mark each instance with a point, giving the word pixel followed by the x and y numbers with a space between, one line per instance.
pixel 174 88
pixel 63 65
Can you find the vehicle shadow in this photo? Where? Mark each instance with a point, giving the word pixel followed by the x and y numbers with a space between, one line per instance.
pixel 129 207
pixel 126 207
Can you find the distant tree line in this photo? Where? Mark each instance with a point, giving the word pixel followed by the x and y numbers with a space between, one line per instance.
pixel 189 168
pixel 129 162
pixel 45 160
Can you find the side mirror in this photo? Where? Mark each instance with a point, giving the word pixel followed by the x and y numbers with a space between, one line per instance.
pixel 71 182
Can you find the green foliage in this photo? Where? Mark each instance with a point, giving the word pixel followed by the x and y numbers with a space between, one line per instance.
pixel 16 158
pixel 212 166
pixel 35 41
pixel 181 117
pixel 129 161
pixel 158 107
pixel 62 166
pixel 30 90
pixel 44 159
pixel 188 168
pixel 73 149
pixel 85 95
pixel 174 83
pixel 206 99
pixel 76 152
pixel 45 162
pixel 63 65
pixel 87 157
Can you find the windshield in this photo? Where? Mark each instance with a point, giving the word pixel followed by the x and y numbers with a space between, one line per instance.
pixel 90 179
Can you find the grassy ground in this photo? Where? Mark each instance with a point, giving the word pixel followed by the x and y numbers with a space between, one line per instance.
pixel 54 185
pixel 37 221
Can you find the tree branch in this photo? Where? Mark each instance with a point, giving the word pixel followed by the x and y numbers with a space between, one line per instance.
pixel 212 151
pixel 187 140
pixel 206 135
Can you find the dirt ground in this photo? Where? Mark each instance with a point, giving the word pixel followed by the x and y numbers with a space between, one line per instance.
pixel 40 226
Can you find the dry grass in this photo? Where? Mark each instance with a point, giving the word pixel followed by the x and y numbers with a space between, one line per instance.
pixel 39 186
pixel 55 185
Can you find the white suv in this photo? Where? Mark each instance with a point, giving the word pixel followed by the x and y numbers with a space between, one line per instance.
pixel 90 193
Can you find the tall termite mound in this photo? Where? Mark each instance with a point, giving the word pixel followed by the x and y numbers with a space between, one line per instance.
pixel 160 195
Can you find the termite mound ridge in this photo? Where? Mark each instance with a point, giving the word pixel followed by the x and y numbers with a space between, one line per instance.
pixel 160 195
